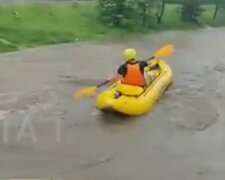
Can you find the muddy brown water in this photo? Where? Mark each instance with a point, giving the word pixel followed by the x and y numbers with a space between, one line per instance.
pixel 45 133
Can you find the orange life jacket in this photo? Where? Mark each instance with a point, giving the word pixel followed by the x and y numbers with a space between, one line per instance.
pixel 134 76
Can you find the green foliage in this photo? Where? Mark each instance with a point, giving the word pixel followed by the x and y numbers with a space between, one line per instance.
pixel 160 10
pixel 33 25
pixel 180 1
pixel 144 9
pixel 220 3
pixel 191 10
pixel 116 12
pixel 213 22
pixel 129 13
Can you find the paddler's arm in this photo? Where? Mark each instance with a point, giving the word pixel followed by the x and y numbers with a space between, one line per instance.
pixel 120 73
pixel 114 79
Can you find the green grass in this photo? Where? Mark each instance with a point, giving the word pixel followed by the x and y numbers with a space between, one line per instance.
pixel 208 16
pixel 39 24
pixel 52 24
pixel 171 20
pixel 47 24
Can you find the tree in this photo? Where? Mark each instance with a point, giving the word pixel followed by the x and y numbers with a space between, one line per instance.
pixel 116 12
pixel 143 8
pixel 218 5
pixel 129 12
pixel 149 9
pixel 160 11
pixel 191 10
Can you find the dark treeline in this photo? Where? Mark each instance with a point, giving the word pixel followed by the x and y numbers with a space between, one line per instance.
pixel 200 1
pixel 125 13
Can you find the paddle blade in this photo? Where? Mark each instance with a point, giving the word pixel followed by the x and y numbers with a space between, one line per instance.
pixel 91 91
pixel 165 51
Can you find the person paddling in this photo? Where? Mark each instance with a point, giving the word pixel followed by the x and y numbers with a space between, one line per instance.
pixel 133 72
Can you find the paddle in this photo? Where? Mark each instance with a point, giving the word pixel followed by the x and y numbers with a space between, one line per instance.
pixel 164 51
pixel 90 91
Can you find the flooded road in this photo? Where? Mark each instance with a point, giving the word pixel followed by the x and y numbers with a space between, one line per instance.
pixel 45 133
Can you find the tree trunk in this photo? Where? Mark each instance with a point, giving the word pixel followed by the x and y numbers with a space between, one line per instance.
pixel 216 11
pixel 144 11
pixel 159 18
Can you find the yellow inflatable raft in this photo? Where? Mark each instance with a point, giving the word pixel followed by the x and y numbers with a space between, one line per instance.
pixel 132 100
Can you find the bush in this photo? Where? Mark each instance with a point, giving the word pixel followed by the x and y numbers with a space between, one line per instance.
pixel 144 10
pixel 117 12
pixel 126 13
pixel 191 10
pixel 180 1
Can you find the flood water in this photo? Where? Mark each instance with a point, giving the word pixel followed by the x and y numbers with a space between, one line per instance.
pixel 46 133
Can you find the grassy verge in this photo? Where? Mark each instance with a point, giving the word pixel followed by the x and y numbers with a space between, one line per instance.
pixel 208 17
pixel 171 20
pixel 33 25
